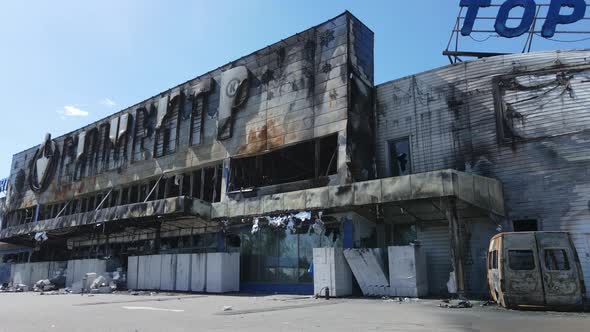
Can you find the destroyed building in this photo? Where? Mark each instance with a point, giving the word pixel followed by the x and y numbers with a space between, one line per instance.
pixel 293 147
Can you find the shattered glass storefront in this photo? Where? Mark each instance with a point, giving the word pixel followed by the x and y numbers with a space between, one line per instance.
pixel 281 257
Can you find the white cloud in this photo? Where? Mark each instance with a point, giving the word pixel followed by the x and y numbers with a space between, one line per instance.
pixel 70 110
pixel 108 103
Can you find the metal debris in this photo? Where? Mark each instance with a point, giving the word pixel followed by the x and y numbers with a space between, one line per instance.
pixel 455 304
pixel 255 226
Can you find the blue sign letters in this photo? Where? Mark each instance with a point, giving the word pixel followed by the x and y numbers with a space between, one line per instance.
pixel 525 23
pixel 554 16
pixel 472 10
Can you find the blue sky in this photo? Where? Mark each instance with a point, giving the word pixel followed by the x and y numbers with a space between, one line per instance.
pixel 65 64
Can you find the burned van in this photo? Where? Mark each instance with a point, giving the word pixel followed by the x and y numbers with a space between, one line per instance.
pixel 535 269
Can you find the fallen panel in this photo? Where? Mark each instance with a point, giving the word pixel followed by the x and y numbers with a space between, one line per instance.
pixel 367 267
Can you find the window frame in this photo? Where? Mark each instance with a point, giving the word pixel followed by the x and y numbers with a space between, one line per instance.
pixel 565 256
pixel 521 250
pixel 389 158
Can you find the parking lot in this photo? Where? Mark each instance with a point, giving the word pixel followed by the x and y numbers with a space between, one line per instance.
pixel 183 312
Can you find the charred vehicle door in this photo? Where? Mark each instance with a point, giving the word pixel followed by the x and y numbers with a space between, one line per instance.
pixel 560 270
pixel 521 270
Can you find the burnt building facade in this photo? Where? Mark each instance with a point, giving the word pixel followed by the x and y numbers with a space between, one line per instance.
pixel 292 148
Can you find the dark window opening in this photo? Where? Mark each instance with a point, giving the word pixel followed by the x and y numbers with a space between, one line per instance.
pixel 125 196
pixel 134 195
pixel 161 189
pixel 152 191
pixel 521 260
pixel 304 161
pixel 173 186
pixel 143 191
pixel 104 146
pixel 197 180
pixel 198 110
pixel 167 135
pixel 138 134
pixel 556 260
pixel 493 259
pixel 114 198
pixel 186 185
pixel 208 184
pixel 84 205
pixel 404 234
pixel 66 173
pixel 527 225
pixel 400 162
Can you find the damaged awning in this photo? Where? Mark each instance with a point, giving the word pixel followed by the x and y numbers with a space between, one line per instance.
pixel 162 110
pixel 114 128
pixel 162 208
pixel 482 192
pixel 123 126
pixel 81 144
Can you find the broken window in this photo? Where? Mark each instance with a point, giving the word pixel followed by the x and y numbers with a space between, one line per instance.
pixel 399 157
pixel 556 260
pixel 493 259
pixel 167 133
pixel 304 161
pixel 521 260
pixel 526 225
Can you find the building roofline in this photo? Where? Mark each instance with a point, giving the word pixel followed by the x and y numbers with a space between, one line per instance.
pixel 128 108
pixel 512 55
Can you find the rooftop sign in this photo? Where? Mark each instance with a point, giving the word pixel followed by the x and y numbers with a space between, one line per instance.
pixel 546 20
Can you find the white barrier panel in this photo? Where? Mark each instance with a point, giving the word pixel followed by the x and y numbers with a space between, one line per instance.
pixel 330 270
pixel 212 273
pixel 407 271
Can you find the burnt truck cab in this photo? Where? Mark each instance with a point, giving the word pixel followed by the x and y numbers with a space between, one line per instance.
pixel 535 269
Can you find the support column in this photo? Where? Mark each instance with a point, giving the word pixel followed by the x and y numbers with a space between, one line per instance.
pixel 450 209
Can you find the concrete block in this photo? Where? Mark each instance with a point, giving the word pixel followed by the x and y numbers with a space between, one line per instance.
pixel 223 272
pixel 154 269
pixel 142 272
pixel 132 262
pixel 167 272
pixel 198 272
pixel 331 270
pixel 407 271
pixel 77 269
pixel 183 272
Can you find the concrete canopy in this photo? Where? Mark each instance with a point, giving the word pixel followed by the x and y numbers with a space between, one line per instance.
pixel 481 192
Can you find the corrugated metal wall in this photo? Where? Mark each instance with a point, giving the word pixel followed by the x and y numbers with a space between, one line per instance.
pixel 434 239
pixel 450 115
